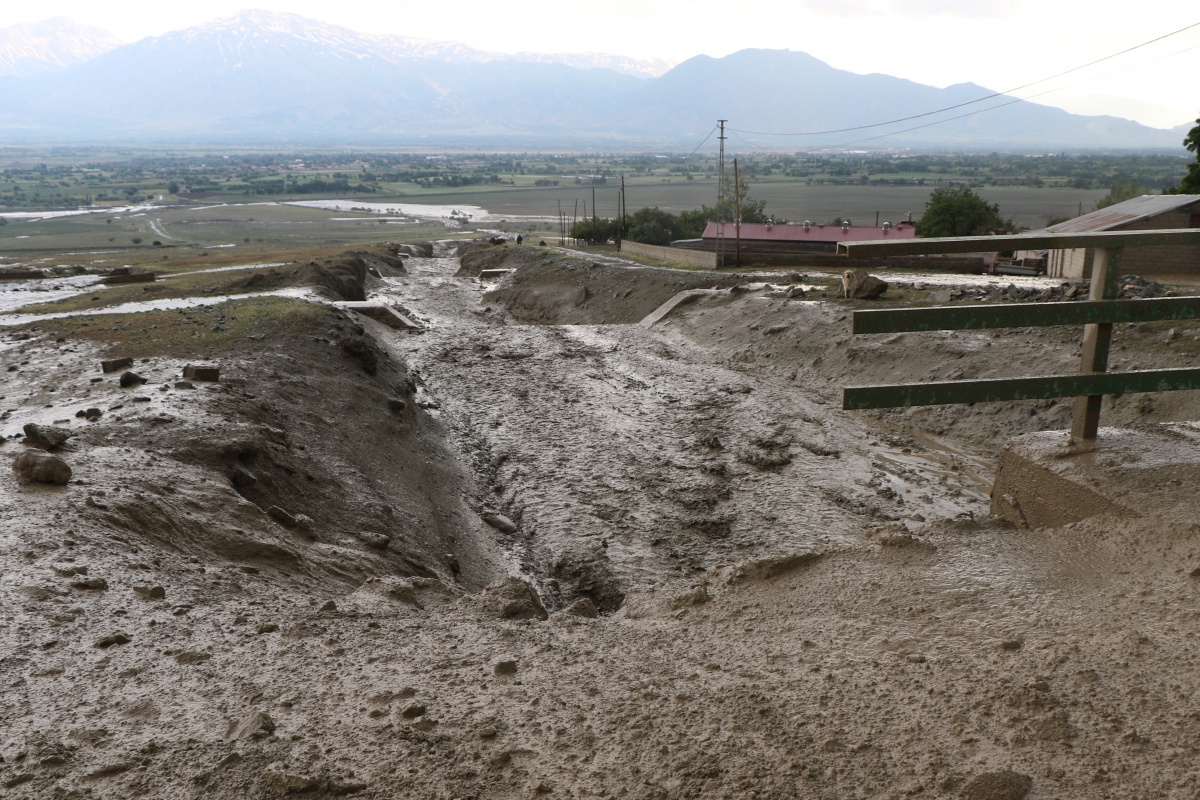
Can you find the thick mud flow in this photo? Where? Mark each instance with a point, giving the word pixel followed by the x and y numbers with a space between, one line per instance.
pixel 494 558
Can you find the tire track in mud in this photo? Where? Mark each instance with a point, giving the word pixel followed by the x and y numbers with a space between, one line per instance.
pixel 628 459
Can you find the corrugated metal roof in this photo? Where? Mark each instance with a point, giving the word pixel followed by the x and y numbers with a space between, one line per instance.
pixel 791 232
pixel 1139 208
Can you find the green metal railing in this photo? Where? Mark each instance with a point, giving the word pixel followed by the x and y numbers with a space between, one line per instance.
pixel 1097 315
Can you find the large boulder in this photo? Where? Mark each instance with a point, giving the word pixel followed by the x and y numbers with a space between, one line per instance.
pixel 39 467
pixel 858 284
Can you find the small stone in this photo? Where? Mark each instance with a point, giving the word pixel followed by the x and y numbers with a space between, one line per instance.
pixel 197 372
pixel 34 465
pixel 93 584
pixel 776 329
pixel 915 658
pixel 329 606
pixel 109 641
pixel 513 598
pixel 131 379
pixel 379 541
pixel 304 522
pixel 505 667
pixel 192 657
pixel 396 404
pixel 500 522
pixel 115 364
pixel 282 517
pixel 268 627
pixel 151 592
pixel 1011 644
pixel 424 724
pixel 46 437
pixel 257 725
pixel 184 385
pixel 93 414
pixel 583 607
pixel 413 711
pixel 1002 785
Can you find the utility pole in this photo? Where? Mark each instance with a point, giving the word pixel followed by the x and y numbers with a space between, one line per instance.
pixel 721 196
pixel 560 225
pixel 737 217
pixel 621 214
pixel 575 218
pixel 595 217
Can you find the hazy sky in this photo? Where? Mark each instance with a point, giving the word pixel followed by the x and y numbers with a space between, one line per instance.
pixel 996 43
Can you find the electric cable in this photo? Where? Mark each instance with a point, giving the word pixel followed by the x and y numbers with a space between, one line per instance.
pixel 978 100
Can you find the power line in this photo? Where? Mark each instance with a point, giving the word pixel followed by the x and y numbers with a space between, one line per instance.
pixel 1001 105
pixel 706 138
pixel 979 100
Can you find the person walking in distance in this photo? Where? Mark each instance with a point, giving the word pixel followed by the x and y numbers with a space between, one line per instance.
pixel 518 238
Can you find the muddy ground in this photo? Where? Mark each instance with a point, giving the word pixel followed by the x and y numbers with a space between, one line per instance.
pixel 538 550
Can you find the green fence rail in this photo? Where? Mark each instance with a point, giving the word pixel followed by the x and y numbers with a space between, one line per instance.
pixel 1097 315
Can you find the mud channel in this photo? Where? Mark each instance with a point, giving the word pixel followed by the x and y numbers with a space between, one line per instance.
pixel 536 549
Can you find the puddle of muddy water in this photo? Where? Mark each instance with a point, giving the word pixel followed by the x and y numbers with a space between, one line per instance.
pixel 159 305
pixel 18 294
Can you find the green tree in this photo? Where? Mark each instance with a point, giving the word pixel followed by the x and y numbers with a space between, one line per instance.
pixel 958 211
pixel 1123 188
pixel 172 188
pixel 1191 182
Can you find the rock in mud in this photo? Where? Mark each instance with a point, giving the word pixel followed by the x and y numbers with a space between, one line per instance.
pixel 364 352
pixel 858 284
pixel 513 598
pixel 282 517
pixel 760 569
pixel 46 437
pixel 114 364
pixel 91 584
pixel 413 711
pixel 39 467
pixel 583 607
pixel 379 541
pixel 507 666
pixel 280 778
pixel 114 639
pixel 202 372
pixel 500 523
pixel 1003 785
pixel 1052 727
pixel 151 592
pixel 131 379
pixel 257 725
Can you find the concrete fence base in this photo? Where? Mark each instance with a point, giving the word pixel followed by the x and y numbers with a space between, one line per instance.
pixel 698 258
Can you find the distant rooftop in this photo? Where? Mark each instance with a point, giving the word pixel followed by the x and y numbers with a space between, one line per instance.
pixel 1114 216
pixel 796 232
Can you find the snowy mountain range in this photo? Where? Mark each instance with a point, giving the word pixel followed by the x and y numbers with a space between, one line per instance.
pixel 268 77
pixel 51 45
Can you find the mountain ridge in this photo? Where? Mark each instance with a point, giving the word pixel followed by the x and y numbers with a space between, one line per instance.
pixel 265 76
pixel 35 48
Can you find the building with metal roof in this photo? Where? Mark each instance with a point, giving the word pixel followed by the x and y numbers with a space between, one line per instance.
pixel 1148 212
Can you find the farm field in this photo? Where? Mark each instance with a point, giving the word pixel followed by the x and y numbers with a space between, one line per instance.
pixel 791 200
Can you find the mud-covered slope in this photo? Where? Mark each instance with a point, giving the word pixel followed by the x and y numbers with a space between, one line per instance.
pixel 550 288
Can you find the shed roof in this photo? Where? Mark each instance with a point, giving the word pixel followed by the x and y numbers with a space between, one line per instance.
pixel 1114 216
pixel 793 232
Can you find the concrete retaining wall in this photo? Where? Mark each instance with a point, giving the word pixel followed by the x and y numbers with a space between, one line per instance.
pixel 696 257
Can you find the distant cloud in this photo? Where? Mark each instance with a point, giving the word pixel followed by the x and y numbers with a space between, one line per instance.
pixel 920 8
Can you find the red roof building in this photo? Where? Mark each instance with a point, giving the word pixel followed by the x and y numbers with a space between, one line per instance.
pixel 800 238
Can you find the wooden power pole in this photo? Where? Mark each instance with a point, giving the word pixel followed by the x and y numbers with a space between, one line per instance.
pixel 737 217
